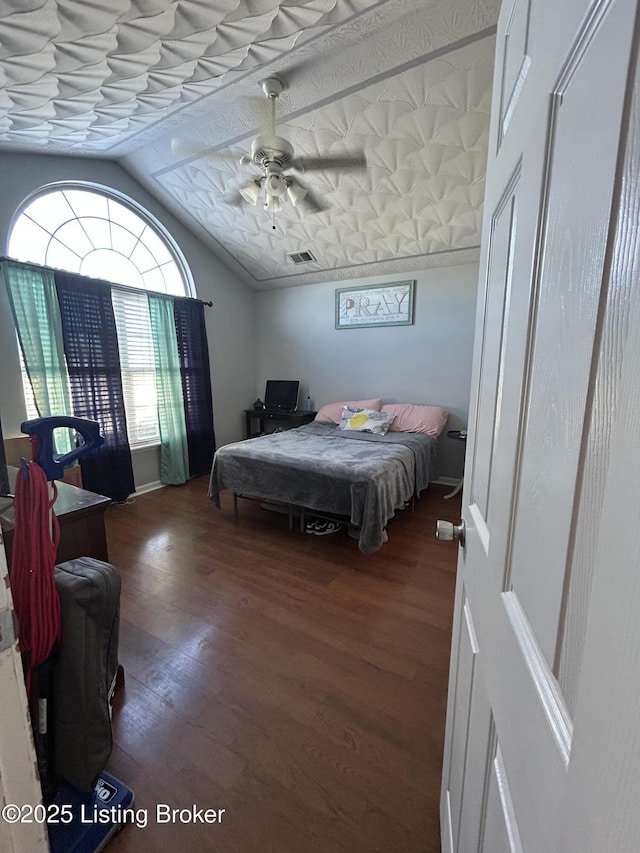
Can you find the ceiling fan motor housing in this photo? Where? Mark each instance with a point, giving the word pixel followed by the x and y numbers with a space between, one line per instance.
pixel 268 151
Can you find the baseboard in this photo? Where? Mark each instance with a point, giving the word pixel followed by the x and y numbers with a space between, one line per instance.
pixel 148 487
pixel 446 826
pixel 447 481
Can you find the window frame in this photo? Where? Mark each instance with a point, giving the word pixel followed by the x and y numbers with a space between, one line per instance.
pixel 145 216
pixel 126 201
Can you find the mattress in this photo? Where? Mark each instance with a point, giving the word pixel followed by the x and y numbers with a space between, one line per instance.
pixel 364 477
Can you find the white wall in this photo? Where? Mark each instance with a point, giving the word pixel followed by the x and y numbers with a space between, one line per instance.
pixel 428 362
pixel 229 323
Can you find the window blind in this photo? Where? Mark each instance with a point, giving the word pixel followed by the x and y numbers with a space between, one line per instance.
pixel 137 364
pixel 90 340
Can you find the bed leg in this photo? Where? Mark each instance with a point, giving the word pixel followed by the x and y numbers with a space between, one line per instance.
pixel 290 508
pixel 235 506
pixel 413 504
pixel 301 519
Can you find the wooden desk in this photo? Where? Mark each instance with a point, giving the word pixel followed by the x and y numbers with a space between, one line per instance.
pixel 81 517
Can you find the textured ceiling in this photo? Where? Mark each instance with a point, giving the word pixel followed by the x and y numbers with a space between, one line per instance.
pixel 405 81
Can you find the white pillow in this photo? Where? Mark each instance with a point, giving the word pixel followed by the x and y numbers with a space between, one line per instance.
pixel 365 420
pixel 332 412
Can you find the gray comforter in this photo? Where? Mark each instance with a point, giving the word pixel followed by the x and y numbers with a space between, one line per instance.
pixel 363 476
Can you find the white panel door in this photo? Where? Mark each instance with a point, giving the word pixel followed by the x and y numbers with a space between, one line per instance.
pixel 542 369
pixel 18 779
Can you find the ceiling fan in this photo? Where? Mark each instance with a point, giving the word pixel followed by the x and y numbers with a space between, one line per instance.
pixel 275 158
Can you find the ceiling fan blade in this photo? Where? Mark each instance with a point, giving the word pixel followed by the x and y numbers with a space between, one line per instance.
pixel 233 199
pixel 314 204
pixel 182 149
pixel 349 161
pixel 190 151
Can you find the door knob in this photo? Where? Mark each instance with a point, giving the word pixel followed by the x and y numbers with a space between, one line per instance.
pixel 447 530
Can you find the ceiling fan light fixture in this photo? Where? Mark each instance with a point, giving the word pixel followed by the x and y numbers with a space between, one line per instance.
pixel 251 192
pixel 272 204
pixel 275 184
pixel 295 192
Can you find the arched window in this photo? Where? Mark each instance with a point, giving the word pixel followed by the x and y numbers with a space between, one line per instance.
pixel 97 232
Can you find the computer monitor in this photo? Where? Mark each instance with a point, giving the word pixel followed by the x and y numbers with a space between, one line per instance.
pixel 281 394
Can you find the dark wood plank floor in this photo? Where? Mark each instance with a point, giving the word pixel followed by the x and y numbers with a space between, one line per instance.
pixel 283 677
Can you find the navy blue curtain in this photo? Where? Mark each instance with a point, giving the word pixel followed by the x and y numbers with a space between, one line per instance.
pixel 93 361
pixel 193 352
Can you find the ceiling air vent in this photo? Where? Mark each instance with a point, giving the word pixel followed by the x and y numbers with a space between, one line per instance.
pixel 301 257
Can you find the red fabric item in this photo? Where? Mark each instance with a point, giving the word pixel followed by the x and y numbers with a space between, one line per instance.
pixel 35 544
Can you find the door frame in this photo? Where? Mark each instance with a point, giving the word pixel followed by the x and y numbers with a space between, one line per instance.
pixel 19 780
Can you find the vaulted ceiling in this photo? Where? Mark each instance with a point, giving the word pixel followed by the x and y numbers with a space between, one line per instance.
pixel 171 91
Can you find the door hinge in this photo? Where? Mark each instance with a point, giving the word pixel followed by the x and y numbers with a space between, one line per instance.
pixel 7 629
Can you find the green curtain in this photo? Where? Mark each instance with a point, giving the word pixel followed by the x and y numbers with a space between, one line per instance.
pixel 174 453
pixel 34 304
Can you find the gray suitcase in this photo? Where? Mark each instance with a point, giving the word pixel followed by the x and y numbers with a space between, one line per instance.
pixel 85 671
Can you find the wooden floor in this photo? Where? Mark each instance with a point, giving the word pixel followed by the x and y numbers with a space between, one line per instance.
pixel 283 677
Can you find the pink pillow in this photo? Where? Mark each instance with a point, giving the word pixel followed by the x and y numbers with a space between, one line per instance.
pixel 409 418
pixel 332 412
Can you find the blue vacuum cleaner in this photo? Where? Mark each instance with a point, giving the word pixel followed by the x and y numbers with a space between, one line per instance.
pixel 52 463
pixel 84 822
pixel 93 819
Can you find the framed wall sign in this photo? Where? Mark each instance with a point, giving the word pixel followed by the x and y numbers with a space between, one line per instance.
pixel 380 305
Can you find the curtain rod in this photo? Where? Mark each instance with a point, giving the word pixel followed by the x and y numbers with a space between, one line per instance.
pixel 54 270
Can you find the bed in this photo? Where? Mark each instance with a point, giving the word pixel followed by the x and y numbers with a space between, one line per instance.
pixel 361 476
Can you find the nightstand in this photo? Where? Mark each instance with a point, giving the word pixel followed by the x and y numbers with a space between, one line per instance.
pixel 457 435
